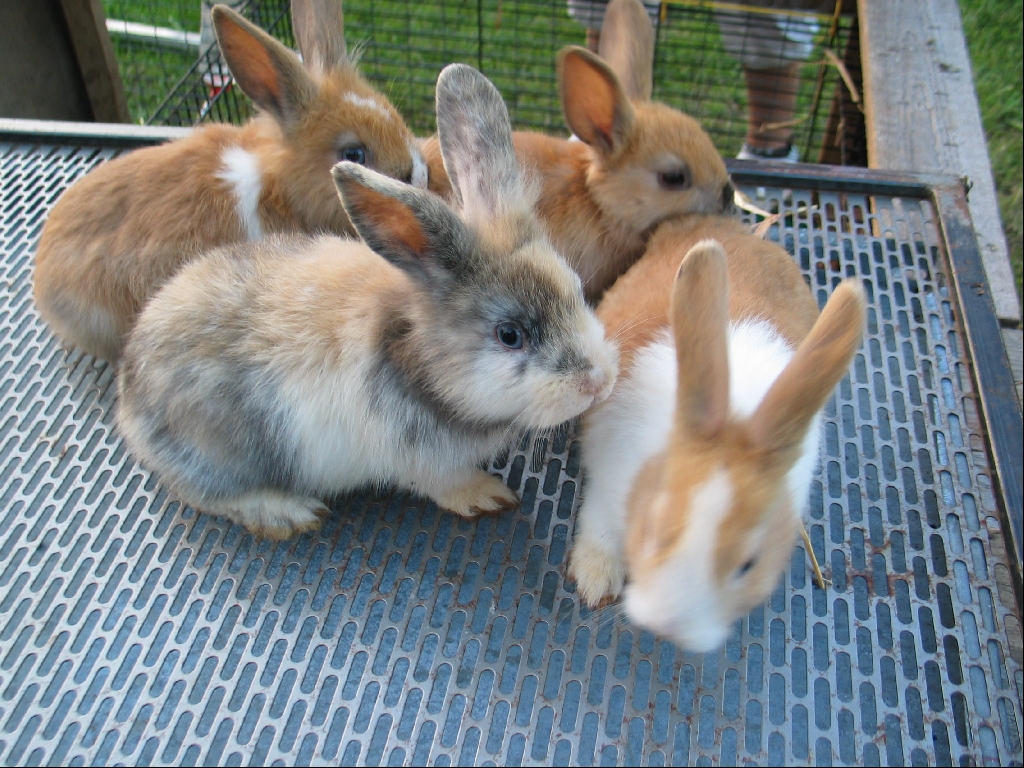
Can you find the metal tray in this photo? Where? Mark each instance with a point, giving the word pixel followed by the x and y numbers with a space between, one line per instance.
pixel 134 631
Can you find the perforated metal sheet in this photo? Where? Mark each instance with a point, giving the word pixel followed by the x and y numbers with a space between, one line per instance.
pixel 133 631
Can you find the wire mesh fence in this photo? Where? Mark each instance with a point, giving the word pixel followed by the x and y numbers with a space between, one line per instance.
pixel 156 43
pixel 704 55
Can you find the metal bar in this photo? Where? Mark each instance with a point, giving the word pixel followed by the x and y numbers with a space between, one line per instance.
pixel 151 35
pixel 89 134
pixel 994 379
pixel 836 178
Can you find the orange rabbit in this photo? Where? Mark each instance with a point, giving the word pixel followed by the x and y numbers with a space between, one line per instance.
pixel 129 225
pixel 637 162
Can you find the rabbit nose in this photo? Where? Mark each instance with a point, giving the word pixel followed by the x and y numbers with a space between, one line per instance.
pixel 595 382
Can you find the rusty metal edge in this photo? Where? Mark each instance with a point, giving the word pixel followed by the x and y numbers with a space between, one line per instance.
pixel 996 392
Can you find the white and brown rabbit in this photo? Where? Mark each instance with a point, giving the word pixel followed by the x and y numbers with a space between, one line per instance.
pixel 129 225
pixel 698 466
pixel 638 162
pixel 268 375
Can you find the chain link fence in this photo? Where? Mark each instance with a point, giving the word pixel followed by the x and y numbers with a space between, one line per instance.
pixel 172 76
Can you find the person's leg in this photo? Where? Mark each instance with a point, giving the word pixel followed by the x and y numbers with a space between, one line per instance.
pixel 770 48
pixel 771 105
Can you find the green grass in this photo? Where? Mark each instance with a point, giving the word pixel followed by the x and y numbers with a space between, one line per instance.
pixel 993 32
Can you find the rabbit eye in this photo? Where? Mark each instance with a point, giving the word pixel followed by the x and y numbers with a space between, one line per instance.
pixel 510 335
pixel 744 569
pixel 675 179
pixel 353 155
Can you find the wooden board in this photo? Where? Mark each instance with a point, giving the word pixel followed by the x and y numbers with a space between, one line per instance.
pixel 922 114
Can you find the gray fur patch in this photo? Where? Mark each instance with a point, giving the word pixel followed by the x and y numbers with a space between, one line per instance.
pixel 475 135
pixel 213 429
pixel 403 385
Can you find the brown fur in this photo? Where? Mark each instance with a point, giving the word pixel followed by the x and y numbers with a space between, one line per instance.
pixel 598 209
pixel 627 48
pixel 119 233
pixel 382 211
pixel 763 282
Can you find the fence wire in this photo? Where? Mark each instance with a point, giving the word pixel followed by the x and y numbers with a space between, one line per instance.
pixel 702 48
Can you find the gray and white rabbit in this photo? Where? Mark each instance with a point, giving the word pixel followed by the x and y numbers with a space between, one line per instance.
pixel 267 375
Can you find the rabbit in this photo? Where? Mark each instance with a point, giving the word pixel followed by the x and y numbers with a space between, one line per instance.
pixel 130 224
pixel 265 376
pixel 698 466
pixel 636 164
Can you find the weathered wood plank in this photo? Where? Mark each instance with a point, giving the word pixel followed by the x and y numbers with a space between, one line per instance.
pixel 922 114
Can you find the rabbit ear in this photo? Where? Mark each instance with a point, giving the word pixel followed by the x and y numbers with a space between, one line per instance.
pixel 475 135
pixel 627 44
pixel 411 228
pixel 320 32
pixel 782 418
pixel 269 73
pixel 596 108
pixel 699 312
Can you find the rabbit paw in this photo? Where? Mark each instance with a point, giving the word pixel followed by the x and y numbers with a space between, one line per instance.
pixel 598 572
pixel 484 494
pixel 272 515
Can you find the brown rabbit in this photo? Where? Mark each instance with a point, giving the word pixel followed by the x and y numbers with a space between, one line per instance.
pixel 127 227
pixel 700 462
pixel 636 164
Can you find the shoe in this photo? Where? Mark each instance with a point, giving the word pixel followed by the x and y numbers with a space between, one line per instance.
pixel 789 154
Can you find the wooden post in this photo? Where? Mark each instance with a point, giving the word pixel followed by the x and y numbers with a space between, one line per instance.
pixel 87 27
pixel 58 62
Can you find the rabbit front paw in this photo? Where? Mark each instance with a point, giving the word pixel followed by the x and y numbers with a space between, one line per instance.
pixel 483 494
pixel 272 515
pixel 599 573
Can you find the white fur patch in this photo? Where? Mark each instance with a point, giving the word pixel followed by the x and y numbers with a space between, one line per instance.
pixel 757 355
pixel 368 102
pixel 419 168
pixel 621 435
pixel 242 172
pixel 691 616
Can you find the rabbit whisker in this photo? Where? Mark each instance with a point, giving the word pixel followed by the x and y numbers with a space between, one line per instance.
pixel 618 335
